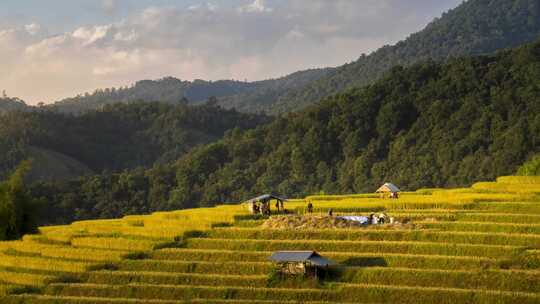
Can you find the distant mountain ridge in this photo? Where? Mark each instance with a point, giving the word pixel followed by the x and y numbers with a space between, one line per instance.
pixel 474 27
pixel 230 93
pixel 11 104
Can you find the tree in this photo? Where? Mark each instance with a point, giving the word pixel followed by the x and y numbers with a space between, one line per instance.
pixel 17 208
pixel 530 168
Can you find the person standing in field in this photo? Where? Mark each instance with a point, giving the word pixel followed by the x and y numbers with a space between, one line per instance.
pixel 310 207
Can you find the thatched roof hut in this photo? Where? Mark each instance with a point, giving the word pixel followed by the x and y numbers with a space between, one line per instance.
pixel 388 188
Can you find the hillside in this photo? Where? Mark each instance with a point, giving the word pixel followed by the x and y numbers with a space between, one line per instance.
pixel 475 27
pixel 427 125
pixel 53 166
pixel 11 104
pixel 115 138
pixel 430 125
pixel 230 93
pixel 469 245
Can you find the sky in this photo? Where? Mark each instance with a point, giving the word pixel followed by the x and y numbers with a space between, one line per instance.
pixel 59 48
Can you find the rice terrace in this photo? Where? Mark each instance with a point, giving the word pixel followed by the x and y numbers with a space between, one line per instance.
pixel 270 151
pixel 478 244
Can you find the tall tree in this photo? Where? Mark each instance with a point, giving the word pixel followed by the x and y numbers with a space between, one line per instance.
pixel 18 210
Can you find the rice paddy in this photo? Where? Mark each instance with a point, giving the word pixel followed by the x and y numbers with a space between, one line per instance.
pixel 467 245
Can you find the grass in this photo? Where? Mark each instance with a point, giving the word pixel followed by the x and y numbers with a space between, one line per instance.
pixel 503 280
pixel 467 245
pixel 408 294
pixel 26 279
pixel 47 264
pixel 224 268
pixel 422 235
pixel 484 227
pixel 113 243
pixel 65 252
pixel 352 246
pixel 126 277
pixel 173 292
pixel 43 299
pixel 344 258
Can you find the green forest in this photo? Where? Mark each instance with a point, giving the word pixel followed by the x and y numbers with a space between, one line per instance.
pixel 119 136
pixel 428 125
pixel 472 28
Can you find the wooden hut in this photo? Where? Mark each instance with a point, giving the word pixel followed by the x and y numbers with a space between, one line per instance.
pixel 265 200
pixel 388 189
pixel 308 263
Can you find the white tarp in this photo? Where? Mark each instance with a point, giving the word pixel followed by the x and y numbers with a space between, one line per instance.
pixel 364 220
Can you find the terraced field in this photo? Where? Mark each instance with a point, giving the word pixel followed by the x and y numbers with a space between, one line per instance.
pixel 473 245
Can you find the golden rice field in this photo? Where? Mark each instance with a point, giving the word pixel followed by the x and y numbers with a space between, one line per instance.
pixel 469 245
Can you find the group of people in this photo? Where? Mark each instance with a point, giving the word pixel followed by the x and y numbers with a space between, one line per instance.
pixel 380 219
pixel 263 207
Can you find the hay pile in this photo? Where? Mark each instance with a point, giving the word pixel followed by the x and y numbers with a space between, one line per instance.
pixel 325 222
pixel 308 222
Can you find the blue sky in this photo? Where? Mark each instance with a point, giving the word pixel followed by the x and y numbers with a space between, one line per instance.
pixel 66 15
pixel 50 49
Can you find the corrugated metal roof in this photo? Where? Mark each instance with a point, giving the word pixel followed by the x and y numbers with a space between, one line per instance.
pixel 265 197
pixel 300 256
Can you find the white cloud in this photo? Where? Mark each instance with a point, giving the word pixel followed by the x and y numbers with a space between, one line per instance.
pixel 89 35
pixel 32 28
pixel 257 6
pixel 251 41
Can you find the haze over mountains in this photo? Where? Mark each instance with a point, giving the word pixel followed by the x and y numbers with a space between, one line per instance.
pixel 474 27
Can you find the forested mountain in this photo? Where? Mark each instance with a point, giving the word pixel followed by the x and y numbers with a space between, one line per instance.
pixel 475 27
pixel 114 138
pixel 11 104
pixel 427 125
pixel 230 93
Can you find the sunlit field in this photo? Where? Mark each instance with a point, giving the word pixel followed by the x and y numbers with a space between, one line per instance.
pixel 478 244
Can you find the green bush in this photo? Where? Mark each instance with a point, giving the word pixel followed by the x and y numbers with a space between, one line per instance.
pixel 530 168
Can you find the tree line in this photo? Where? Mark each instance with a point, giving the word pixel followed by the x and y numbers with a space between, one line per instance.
pixel 429 125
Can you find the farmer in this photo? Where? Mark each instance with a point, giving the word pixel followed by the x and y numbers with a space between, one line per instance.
pixel 277 206
pixel 254 208
pixel 330 212
pixel 310 207
pixel 382 218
